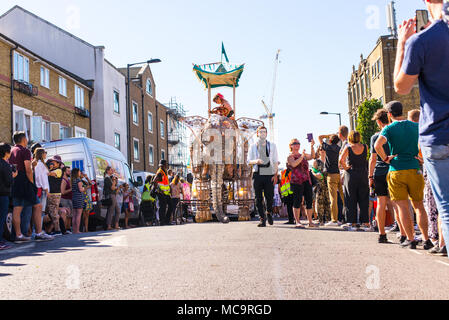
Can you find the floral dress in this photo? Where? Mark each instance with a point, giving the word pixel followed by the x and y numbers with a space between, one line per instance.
pixel 431 208
pixel 322 197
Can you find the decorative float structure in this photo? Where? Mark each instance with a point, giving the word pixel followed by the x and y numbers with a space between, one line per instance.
pixel 219 151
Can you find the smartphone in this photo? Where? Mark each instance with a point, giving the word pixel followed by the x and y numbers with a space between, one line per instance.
pixel 422 19
pixel 310 137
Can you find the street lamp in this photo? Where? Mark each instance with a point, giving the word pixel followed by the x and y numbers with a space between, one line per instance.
pixel 328 113
pixel 128 109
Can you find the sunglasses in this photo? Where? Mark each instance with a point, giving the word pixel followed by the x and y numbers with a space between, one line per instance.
pixel 295 144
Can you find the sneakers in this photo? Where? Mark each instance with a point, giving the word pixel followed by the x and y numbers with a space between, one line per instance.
pixel 428 245
pixel 407 244
pixel 443 252
pixel 332 224
pixel 383 239
pixel 435 250
pixel 403 239
pixel 56 234
pixel 394 228
pixel 68 232
pixel 44 237
pixel 270 219
pixel 22 239
pixel 4 246
pixel 262 224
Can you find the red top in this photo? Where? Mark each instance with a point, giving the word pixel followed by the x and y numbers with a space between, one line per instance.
pixel 18 157
pixel 300 174
pixel 67 196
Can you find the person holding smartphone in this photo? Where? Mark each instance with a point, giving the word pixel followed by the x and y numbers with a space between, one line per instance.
pixel 423 57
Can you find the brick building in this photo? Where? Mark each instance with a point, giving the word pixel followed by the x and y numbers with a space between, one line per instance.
pixel 47 102
pixel 373 79
pixel 147 121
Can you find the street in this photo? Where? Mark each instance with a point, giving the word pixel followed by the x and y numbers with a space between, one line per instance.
pixel 215 261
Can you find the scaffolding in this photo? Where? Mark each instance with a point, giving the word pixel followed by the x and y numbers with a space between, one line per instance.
pixel 178 151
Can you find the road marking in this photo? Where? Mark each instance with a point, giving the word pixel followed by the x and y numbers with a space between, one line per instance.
pixel 22 248
pixel 416 252
pixel 446 264
pixel 277 272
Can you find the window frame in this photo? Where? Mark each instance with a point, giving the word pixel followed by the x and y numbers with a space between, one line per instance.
pixel 151 87
pixel 64 87
pixel 114 92
pixel 163 153
pixel 151 148
pixel 80 96
pixel 134 150
pixel 135 104
pixel 20 72
pixel 162 129
pixel 45 77
pixel 117 134
pixel 150 128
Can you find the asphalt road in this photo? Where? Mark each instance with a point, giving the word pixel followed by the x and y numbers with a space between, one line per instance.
pixel 214 261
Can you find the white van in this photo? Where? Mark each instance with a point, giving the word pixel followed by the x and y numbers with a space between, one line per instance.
pixel 92 157
pixel 140 177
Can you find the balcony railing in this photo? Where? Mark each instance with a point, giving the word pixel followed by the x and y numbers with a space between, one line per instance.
pixel 82 112
pixel 26 88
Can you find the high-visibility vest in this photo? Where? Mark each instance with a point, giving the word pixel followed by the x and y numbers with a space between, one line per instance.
pixel 146 196
pixel 285 184
pixel 164 185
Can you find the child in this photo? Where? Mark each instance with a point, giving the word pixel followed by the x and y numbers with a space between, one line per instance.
pixel 277 203
pixel 127 200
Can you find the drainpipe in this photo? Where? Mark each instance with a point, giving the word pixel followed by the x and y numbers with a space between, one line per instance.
pixel 12 89
pixel 143 132
pixel 157 137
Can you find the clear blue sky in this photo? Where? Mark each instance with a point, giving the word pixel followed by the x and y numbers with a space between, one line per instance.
pixel 320 41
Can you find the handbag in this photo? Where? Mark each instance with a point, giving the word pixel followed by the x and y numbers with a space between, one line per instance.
pixel 106 202
pixel 131 206
pixel 39 192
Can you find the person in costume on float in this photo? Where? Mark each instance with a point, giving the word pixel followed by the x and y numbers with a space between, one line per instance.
pixel 224 109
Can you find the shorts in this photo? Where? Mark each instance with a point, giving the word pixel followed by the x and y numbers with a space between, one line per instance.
pixel 22 202
pixel 381 186
pixel 406 184
pixel 301 191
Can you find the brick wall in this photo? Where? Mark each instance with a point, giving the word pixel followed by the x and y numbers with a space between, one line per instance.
pixel 49 104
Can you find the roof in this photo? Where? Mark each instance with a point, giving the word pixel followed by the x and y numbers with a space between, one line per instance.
pixel 86 82
pixel 217 75
pixel 16 7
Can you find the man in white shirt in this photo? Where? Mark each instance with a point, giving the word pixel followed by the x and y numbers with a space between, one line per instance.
pixel 263 156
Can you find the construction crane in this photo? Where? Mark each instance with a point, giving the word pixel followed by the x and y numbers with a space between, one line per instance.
pixel 269 109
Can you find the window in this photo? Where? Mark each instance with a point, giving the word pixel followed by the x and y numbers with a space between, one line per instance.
pixel 149 87
pixel 379 66
pixel 162 129
pixel 150 122
pixel 362 83
pixel 151 154
pixel 135 113
pixel 163 155
pixel 79 97
pixel 21 67
pixel 117 141
pixel 63 86
pixel 46 131
pixel 116 102
pixel 136 150
pixel 65 132
pixel 80 133
pixel 45 77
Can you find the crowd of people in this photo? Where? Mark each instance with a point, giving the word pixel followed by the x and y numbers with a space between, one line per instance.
pixel 406 175
pixel 50 199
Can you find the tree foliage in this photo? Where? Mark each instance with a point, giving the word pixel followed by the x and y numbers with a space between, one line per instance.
pixel 365 126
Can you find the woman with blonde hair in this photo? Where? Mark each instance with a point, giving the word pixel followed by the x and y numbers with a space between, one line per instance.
pixel 354 160
pixel 301 183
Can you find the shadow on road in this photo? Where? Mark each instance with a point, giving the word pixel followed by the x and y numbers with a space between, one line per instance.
pixel 61 244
